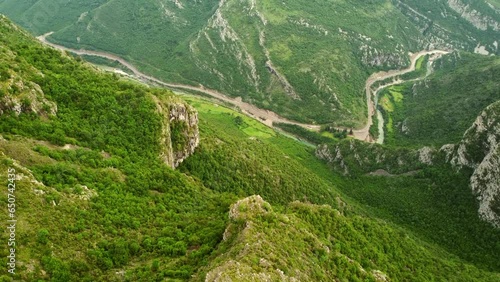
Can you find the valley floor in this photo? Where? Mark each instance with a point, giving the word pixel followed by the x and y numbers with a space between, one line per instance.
pixel 265 116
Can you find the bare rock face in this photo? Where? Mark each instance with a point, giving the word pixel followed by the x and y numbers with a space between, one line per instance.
pixel 183 131
pixel 353 156
pixel 480 150
pixel 323 153
pixel 477 19
pixel 179 135
pixel 485 182
pixel 425 155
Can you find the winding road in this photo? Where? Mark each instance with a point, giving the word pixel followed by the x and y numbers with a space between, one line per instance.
pixel 265 116
pixel 363 134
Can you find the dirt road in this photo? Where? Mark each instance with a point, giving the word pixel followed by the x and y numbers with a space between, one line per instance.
pixel 264 116
pixel 363 134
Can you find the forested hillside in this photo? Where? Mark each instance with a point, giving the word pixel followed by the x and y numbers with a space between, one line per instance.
pixel 76 168
pixel 261 244
pixel 96 200
pixel 440 108
pixel 305 60
pixel 422 191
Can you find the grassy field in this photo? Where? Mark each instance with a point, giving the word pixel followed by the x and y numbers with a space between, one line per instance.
pixel 418 64
pixel 249 126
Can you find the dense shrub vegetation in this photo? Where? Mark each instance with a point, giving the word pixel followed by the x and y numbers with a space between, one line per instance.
pixel 95 203
pixel 112 133
pixel 439 109
pixel 324 49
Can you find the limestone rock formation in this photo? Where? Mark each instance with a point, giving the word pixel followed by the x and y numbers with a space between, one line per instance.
pixel 480 151
pixel 353 156
pixel 31 100
pixel 477 19
pixel 179 134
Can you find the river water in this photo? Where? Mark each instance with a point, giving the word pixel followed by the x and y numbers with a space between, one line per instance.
pixel 380 117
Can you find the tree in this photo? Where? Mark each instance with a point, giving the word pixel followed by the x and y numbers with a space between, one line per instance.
pixel 155 265
pixel 238 120
pixel 43 236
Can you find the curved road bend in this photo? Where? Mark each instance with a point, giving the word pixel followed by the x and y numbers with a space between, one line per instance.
pixel 264 116
pixel 363 134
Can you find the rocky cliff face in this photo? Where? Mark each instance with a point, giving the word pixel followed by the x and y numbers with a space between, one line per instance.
pixel 179 135
pixel 476 18
pixel 480 151
pixel 354 157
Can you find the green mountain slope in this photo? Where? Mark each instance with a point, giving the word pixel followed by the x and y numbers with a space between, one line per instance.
pixel 96 199
pixel 305 60
pixel 85 170
pixel 449 197
pixel 317 243
pixel 438 109
pixel 75 169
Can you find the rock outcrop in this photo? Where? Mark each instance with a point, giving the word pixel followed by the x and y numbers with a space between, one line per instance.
pixel 179 134
pixel 354 157
pixel 245 229
pixel 480 151
pixel 477 19
pixel 263 244
pixel 30 100
pixel 18 93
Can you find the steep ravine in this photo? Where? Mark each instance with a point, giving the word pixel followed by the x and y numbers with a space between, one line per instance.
pixel 478 151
